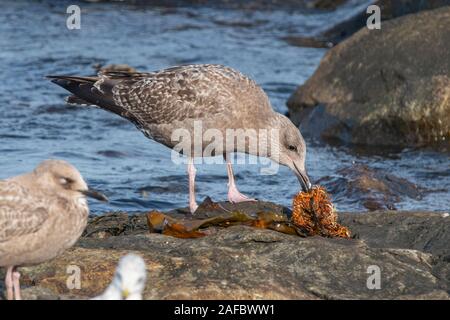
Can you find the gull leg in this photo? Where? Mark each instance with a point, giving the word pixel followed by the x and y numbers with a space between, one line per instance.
pixel 234 196
pixel 16 284
pixel 9 284
pixel 191 171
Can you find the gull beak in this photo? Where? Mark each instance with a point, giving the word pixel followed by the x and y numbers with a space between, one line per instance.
pixel 125 293
pixel 94 194
pixel 302 178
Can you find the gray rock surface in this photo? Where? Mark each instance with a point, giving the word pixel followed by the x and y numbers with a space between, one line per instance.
pixel 239 4
pixel 389 9
pixel 410 248
pixel 388 87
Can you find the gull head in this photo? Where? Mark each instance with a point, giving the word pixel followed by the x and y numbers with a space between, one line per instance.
pixel 288 148
pixel 59 176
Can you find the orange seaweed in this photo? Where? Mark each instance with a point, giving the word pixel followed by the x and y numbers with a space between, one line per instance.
pixel 314 212
pixel 158 221
pixel 178 230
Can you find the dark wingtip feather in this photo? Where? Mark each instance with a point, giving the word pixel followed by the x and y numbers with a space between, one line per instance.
pixel 74 100
pixel 58 81
pixel 72 78
pixel 55 79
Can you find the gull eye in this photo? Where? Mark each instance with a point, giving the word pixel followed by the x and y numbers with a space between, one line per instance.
pixel 65 181
pixel 292 148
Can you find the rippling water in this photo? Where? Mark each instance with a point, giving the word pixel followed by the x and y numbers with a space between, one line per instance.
pixel 137 173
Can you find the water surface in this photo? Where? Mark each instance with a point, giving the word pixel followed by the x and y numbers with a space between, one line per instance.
pixel 136 173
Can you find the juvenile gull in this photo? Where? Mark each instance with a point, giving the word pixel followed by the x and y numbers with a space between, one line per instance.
pixel 129 280
pixel 42 213
pixel 179 97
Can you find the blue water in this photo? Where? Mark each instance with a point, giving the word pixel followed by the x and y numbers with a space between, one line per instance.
pixel 136 173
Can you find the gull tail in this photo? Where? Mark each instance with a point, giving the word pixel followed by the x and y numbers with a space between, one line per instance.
pixel 96 91
pixel 84 90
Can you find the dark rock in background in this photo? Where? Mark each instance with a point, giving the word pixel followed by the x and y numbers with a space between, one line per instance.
pixel 238 4
pixel 389 9
pixel 388 87
pixel 310 42
pixel 371 188
pixel 113 68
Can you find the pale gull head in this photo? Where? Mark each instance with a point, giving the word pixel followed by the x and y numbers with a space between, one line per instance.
pixel 129 280
pixel 60 177
pixel 290 149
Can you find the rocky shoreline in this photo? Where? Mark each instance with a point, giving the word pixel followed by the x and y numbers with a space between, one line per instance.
pixel 392 84
pixel 241 262
pixel 322 5
pixel 387 87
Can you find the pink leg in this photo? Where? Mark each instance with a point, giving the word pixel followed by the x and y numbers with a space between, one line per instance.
pixel 9 284
pixel 191 171
pixel 16 284
pixel 234 196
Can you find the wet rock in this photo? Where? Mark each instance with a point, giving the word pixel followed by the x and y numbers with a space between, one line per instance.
pixel 239 4
pixel 115 224
pixel 45 293
pixel 208 208
pixel 372 189
pixel 114 67
pixel 310 42
pixel 112 154
pixel 239 262
pixel 386 87
pixel 389 9
pixel 422 231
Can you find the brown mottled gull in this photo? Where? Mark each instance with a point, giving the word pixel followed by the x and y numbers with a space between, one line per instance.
pixel 221 98
pixel 42 213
